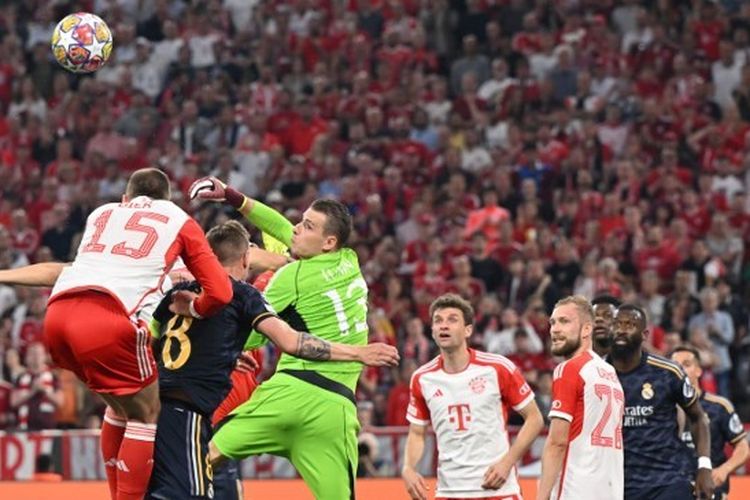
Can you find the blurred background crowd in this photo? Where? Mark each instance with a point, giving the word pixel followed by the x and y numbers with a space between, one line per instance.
pixel 510 151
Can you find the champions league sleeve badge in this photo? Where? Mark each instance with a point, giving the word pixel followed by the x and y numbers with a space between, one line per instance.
pixel 735 425
pixel 687 389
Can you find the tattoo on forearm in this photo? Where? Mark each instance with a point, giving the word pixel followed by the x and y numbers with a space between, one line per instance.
pixel 312 348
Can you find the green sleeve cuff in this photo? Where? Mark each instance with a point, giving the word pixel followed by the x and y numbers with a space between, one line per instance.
pixel 155 328
pixel 272 222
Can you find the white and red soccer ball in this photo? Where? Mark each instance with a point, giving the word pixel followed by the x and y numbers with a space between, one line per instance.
pixel 82 42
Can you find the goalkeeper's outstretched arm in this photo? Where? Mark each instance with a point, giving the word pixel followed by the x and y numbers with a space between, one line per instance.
pixel 262 216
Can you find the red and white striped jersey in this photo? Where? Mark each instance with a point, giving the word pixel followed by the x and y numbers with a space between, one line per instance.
pixel 468 411
pixel 587 393
pixel 127 250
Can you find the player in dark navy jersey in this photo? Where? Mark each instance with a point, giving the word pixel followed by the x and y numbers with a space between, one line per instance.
pixel 658 465
pixel 723 422
pixel 196 357
pixel 605 307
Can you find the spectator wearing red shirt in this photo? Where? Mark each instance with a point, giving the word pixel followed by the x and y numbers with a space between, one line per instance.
pixel 36 395
pixel 43 202
pixel 264 93
pixel 24 237
pixel 133 158
pixel 107 141
pixel 488 218
pixel 398 396
pixel 468 105
pixel 25 165
pixel 463 283
pixel 695 213
pixel 305 128
pixel 669 166
pixel 6 410
pixel 414 345
pixel 394 53
pixel 656 254
pixel 611 220
pixel 528 41
pixel 64 156
pixel 707 29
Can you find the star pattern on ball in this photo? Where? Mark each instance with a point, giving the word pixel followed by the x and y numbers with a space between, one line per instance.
pixel 78 49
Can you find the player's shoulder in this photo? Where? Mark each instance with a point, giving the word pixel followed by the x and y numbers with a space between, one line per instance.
pixel 720 401
pixel 431 366
pixel 494 360
pixel 103 208
pixel 164 208
pixel 572 367
pixel 664 365
pixel 244 289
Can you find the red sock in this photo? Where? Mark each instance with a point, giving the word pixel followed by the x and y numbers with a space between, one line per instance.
pixel 113 428
pixel 135 460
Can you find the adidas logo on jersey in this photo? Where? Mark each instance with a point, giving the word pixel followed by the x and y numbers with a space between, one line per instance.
pixel 119 464
pixel 437 394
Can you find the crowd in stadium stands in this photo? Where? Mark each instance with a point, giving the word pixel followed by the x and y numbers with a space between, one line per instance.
pixel 511 151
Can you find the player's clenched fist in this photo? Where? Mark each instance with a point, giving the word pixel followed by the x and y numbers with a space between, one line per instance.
pixel 208 188
pixel 379 354
pixel 415 485
pixel 211 188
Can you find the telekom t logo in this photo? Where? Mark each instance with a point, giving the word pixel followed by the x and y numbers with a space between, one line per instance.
pixel 460 414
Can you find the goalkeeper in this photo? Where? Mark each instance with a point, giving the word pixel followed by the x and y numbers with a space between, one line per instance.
pixel 306 411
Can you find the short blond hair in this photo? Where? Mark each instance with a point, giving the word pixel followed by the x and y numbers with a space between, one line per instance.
pixel 585 309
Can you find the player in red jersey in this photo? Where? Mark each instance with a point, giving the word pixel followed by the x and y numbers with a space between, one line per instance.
pixel 466 395
pixel 583 455
pixel 96 322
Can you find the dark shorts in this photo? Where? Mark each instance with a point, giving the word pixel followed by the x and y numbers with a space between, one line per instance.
pixel 181 467
pixel 226 477
pixel 676 491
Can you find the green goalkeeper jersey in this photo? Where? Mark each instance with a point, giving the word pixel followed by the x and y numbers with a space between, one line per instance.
pixel 325 295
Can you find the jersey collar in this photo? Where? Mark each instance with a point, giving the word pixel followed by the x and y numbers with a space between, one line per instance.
pixel 472 359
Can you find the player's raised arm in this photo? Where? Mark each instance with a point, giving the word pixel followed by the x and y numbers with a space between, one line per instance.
pixel 553 456
pixel 415 485
pixel 42 274
pixel 306 346
pixel 263 260
pixel 262 216
pixel 200 260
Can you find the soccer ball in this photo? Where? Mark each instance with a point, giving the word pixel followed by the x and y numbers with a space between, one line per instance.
pixel 82 42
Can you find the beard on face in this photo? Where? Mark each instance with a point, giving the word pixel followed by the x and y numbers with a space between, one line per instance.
pixel 569 347
pixel 625 350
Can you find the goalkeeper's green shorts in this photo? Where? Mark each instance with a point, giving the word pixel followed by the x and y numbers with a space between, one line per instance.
pixel 315 428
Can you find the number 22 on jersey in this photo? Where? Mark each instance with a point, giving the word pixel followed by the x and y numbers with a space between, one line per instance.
pixel 133 226
pixel 614 402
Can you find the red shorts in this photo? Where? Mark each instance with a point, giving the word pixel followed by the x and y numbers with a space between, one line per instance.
pixel 89 334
